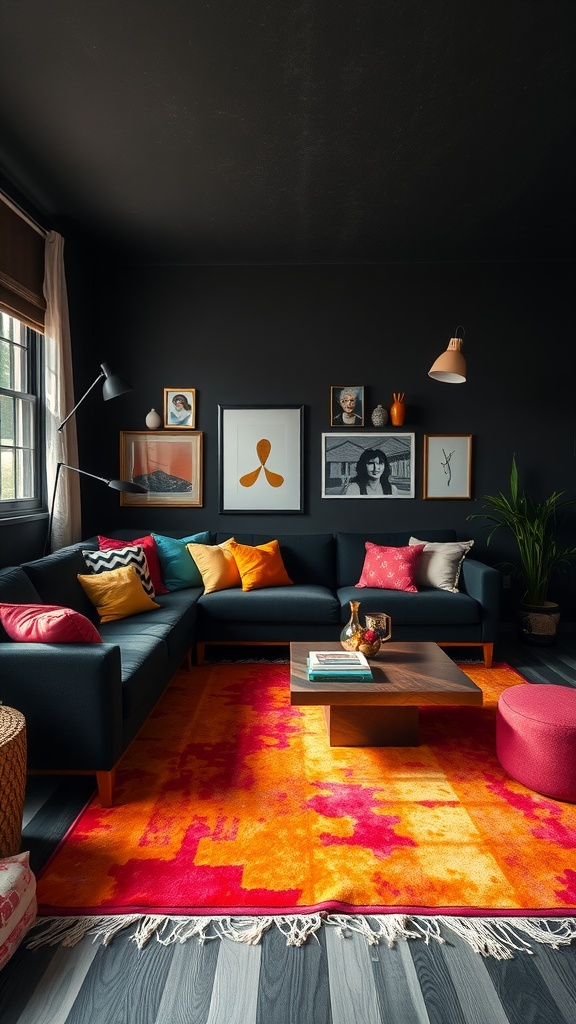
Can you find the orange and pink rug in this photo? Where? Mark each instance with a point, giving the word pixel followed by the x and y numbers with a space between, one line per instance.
pixel 231 805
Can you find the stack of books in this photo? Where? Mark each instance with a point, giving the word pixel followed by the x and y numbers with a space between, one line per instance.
pixel 351 665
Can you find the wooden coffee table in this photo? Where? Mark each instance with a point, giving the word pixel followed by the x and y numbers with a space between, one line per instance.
pixel 382 713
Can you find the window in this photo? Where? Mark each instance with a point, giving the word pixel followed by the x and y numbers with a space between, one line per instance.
pixel 20 402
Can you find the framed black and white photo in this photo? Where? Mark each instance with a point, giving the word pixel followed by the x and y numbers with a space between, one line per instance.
pixel 180 408
pixel 447 466
pixel 347 405
pixel 261 458
pixel 368 465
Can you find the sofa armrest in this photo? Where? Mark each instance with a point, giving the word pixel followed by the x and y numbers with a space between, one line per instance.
pixel 71 698
pixel 484 584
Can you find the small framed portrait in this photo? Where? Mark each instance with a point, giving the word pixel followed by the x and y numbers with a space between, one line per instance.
pixel 347 405
pixel 180 408
pixel 447 466
pixel 368 466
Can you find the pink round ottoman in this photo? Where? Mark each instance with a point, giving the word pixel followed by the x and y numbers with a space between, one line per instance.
pixel 536 738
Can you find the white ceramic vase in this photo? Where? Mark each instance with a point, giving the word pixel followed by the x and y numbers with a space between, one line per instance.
pixel 153 420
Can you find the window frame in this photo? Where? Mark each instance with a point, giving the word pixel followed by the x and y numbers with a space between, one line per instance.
pixel 17 508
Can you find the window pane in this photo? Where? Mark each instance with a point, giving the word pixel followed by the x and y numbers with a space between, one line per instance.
pixel 7 476
pixel 24 473
pixel 7 420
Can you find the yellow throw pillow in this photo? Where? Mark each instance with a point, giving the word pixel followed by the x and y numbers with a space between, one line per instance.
pixel 217 565
pixel 117 594
pixel 260 566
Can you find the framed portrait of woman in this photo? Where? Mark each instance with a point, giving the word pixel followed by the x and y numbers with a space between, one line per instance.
pixel 368 465
pixel 347 405
pixel 180 408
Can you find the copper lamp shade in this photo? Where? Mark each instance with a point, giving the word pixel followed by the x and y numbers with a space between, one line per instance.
pixel 450 367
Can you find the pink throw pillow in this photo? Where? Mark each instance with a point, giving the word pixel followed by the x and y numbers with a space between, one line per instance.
pixel 47 624
pixel 391 568
pixel 150 550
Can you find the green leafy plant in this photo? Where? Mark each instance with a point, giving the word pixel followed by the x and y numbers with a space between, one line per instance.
pixel 533 525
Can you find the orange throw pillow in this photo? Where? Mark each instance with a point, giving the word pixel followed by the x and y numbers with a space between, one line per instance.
pixel 260 566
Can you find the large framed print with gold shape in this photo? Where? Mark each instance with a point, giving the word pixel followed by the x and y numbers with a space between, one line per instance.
pixel 169 465
pixel 260 456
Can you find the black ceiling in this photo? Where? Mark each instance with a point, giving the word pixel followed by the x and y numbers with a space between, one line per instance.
pixel 231 131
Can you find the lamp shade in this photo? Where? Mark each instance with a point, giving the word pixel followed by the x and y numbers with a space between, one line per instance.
pixel 450 367
pixel 113 385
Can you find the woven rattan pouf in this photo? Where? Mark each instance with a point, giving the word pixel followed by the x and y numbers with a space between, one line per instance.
pixel 536 738
pixel 12 779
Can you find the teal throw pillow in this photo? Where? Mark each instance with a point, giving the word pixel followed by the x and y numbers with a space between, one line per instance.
pixel 179 570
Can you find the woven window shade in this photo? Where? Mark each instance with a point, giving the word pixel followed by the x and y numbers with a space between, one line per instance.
pixel 21 268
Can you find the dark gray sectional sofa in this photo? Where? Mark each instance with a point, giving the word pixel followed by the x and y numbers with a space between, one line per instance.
pixel 84 703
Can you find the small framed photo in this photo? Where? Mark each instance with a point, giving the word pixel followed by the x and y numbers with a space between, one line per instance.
pixel 261 458
pixel 347 405
pixel 169 466
pixel 180 408
pixel 447 466
pixel 368 466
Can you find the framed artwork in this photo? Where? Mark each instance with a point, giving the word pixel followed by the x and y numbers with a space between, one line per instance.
pixel 180 408
pixel 347 405
pixel 368 466
pixel 261 458
pixel 168 465
pixel 447 466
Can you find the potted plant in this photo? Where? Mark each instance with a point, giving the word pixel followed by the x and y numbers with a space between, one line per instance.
pixel 533 525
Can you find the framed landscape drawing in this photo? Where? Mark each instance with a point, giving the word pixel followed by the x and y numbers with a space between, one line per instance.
pixel 180 408
pixel 169 465
pixel 447 466
pixel 368 466
pixel 260 458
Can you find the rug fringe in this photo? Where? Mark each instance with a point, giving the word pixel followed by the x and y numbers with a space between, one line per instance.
pixel 497 937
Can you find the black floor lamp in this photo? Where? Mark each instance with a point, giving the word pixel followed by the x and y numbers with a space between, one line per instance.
pixel 113 386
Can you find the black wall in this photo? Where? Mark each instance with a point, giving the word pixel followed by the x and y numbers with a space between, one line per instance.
pixel 285 334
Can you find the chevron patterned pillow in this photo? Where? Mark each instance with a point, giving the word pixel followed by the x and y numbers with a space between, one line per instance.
pixel 104 561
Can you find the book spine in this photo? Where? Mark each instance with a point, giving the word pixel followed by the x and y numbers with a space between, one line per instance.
pixel 318 677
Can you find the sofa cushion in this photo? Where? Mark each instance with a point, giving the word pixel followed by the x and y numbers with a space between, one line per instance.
pixel 116 558
pixel 440 563
pixel 429 608
pixel 55 578
pixel 18 905
pixel 178 568
pixel 216 565
pixel 308 557
pixel 391 568
pixel 47 624
pixel 260 566
pixel 350 549
pixel 150 550
pixel 298 603
pixel 117 594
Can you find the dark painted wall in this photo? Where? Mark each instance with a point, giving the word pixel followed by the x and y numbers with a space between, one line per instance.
pixel 285 334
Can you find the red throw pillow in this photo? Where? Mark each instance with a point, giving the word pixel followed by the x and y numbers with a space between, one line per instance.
pixel 47 624
pixel 391 568
pixel 150 550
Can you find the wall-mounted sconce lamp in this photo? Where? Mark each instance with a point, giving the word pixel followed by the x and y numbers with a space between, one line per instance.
pixel 450 367
pixel 113 386
pixel 116 485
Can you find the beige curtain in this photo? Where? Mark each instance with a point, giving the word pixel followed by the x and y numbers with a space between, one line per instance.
pixel 60 446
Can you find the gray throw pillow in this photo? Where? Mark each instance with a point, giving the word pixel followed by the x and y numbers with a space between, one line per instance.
pixel 440 563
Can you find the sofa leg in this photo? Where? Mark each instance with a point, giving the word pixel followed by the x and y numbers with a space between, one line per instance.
pixel 200 648
pixel 105 782
pixel 488 650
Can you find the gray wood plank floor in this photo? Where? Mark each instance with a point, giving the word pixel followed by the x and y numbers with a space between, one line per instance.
pixel 330 980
